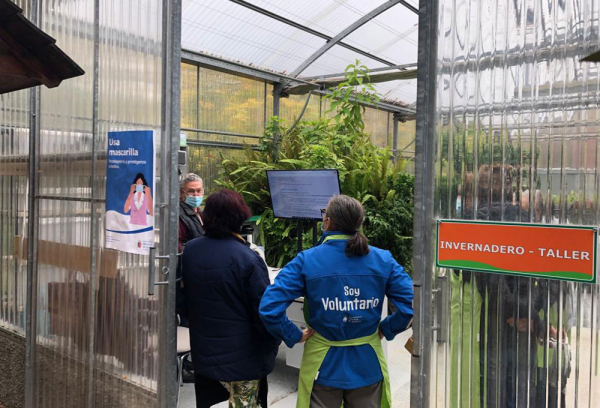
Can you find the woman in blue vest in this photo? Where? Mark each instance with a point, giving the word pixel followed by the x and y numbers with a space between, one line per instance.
pixel 343 281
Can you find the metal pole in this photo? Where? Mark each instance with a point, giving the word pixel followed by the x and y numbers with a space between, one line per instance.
pixel 265 107
pixel 277 91
pixel 395 136
pixel 32 254
pixel 171 91
pixel 198 97
pixel 94 233
pixel 320 106
pixel 32 237
pixel 424 222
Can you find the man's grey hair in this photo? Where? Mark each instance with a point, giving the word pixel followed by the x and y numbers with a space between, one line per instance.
pixel 188 178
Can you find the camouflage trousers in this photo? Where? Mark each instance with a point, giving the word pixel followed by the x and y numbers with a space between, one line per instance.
pixel 242 394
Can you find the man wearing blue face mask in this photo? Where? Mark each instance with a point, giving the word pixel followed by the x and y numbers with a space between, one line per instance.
pixel 191 189
pixel 191 194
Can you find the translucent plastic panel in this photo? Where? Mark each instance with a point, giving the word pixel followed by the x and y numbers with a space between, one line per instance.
pixel 14 138
pixel 189 96
pixel 329 17
pixel 130 97
pixel 377 124
pixel 234 32
pixel 402 91
pixel 392 35
pixel 231 103
pixel 63 302
pixel 336 59
pixel 292 106
pixel 517 126
pixel 406 137
pixel 205 161
pixel 121 368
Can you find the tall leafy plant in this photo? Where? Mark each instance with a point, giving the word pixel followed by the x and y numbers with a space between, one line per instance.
pixel 366 171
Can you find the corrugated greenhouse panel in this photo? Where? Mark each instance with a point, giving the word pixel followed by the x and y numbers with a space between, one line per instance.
pixel 392 35
pixel 292 107
pixel 329 17
pixel 517 141
pixel 228 30
pixel 401 90
pixel 14 157
pixel 130 98
pixel 205 161
pixel 63 297
pixel 377 125
pixel 336 59
pixel 231 103
pixel 189 96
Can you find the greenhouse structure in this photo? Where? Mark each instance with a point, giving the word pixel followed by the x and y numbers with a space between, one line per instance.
pixel 492 105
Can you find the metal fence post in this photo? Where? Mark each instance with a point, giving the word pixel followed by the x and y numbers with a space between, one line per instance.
pixel 94 232
pixel 32 236
pixel 424 202
pixel 171 97
pixel 395 134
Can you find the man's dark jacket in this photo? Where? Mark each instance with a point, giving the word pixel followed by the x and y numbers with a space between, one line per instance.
pixel 190 226
pixel 224 281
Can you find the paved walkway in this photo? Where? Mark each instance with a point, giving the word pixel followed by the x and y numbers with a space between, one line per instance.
pixel 283 381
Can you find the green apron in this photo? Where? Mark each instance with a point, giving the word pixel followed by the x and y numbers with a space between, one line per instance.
pixel 316 349
pixel 465 314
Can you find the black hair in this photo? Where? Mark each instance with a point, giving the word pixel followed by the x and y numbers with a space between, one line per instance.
pixel 224 214
pixel 140 176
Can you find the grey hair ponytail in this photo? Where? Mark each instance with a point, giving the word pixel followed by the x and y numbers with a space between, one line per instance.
pixel 346 215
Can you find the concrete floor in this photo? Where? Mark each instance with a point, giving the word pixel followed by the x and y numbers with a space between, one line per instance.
pixel 283 382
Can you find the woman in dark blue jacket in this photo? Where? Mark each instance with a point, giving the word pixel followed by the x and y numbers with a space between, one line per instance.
pixel 223 283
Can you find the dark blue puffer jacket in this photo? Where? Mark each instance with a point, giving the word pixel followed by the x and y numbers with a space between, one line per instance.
pixel 223 283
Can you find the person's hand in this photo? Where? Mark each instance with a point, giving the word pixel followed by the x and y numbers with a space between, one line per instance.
pixel 132 189
pixel 381 335
pixel 306 334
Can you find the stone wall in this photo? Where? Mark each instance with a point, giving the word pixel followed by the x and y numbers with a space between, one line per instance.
pixel 63 380
pixel 12 370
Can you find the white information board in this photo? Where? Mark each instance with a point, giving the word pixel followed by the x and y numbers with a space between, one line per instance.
pixel 302 194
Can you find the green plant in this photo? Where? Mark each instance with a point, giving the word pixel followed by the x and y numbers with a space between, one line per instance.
pixel 366 171
pixel 357 85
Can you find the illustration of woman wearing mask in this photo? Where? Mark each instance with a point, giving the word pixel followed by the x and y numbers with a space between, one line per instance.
pixel 139 201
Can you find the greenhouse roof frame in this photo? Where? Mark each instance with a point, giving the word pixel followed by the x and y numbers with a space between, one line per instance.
pixel 345 33
pixel 308 40
pixel 230 67
pixel 331 41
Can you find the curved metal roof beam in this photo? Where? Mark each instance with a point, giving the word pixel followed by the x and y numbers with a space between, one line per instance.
pixel 309 30
pixel 347 31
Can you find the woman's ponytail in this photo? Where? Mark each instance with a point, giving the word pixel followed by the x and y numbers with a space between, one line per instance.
pixel 357 245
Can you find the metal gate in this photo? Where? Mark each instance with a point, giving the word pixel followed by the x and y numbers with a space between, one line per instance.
pixel 94 337
pixel 507 130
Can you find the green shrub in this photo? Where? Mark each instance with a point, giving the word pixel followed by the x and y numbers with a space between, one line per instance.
pixel 366 171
